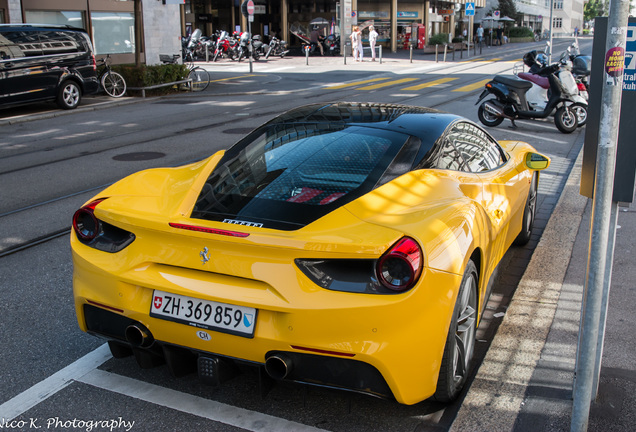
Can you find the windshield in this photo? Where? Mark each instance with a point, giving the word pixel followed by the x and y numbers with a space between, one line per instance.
pixel 285 176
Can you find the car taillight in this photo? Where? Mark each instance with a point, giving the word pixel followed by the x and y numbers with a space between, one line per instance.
pixel 99 234
pixel 400 267
pixel 85 224
pixel 94 62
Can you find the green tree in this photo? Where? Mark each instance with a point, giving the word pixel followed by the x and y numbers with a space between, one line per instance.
pixel 595 8
pixel 508 8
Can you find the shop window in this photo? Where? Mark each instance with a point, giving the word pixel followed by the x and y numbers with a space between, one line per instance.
pixel 72 18
pixel 113 32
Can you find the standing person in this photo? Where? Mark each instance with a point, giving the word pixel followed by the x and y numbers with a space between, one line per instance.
pixel 360 49
pixel 480 34
pixel 373 38
pixel 499 35
pixel 355 36
pixel 315 39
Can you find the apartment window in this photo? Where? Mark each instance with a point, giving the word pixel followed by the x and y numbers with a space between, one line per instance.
pixel 558 4
pixel 557 22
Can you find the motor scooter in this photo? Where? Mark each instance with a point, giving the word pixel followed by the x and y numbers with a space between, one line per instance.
pixel 510 102
pixel 538 95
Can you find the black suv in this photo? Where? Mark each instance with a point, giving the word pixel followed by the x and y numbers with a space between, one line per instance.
pixel 45 63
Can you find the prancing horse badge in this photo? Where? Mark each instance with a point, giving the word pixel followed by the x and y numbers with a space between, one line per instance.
pixel 205 255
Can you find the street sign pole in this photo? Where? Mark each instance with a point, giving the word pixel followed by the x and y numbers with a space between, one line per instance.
pixel 250 19
pixel 469 11
pixel 604 209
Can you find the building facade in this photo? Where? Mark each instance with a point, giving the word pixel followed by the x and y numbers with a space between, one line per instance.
pixel 161 23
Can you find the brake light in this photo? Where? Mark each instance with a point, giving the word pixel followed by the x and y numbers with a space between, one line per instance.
pixel 85 224
pixel 400 267
pixel 208 230
pixel 94 62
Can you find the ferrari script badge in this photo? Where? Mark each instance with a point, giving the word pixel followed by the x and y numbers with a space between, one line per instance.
pixel 205 255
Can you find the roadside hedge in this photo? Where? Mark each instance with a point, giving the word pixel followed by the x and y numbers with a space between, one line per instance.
pixel 520 32
pixel 438 39
pixel 144 76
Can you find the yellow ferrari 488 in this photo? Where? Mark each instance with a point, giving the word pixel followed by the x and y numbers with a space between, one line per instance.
pixel 346 245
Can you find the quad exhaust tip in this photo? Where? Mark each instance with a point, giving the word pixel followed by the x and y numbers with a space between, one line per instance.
pixel 139 336
pixel 278 366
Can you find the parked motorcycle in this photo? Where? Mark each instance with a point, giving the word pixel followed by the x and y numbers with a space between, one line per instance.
pixel 276 47
pixel 332 45
pixel 188 46
pixel 225 47
pixel 246 47
pixel 538 95
pixel 510 102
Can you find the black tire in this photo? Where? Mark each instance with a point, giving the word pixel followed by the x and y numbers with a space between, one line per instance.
pixel 460 342
pixel 200 79
pixel 69 95
pixel 565 120
pixel 581 113
pixel 486 118
pixel 113 84
pixel 529 213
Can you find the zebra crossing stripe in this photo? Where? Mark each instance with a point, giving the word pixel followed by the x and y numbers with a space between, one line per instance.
pixel 386 84
pixel 472 87
pixel 357 83
pixel 430 84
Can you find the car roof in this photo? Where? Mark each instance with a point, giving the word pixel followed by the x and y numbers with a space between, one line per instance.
pixel 35 26
pixel 423 123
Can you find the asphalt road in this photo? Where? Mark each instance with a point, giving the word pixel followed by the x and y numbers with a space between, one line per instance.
pixel 55 377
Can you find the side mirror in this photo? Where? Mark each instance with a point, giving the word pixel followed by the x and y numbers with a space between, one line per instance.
pixel 537 161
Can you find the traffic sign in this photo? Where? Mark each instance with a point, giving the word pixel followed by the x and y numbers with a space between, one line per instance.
pixel 470 9
pixel 250 7
pixel 496 14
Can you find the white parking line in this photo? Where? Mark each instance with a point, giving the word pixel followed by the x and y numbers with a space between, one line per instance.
pixel 209 409
pixel 85 370
pixel 53 384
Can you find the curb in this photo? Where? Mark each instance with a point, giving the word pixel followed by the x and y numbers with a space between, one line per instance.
pixel 498 393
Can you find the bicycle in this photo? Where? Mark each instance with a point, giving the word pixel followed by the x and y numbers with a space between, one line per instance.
pixel 198 78
pixel 113 83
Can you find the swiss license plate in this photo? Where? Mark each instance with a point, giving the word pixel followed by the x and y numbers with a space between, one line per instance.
pixel 223 317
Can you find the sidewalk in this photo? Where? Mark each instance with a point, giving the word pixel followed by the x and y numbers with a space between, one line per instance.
pixel 525 381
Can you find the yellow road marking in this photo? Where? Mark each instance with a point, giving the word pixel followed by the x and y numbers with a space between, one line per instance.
pixel 354 83
pixel 472 87
pixel 386 84
pixel 429 84
pixel 231 78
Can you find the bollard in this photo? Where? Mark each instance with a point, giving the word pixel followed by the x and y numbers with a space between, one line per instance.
pixel 207 53
pixel 445 48
pixel 344 56
pixel 411 53
pixel 436 61
pixel 474 49
pixel 307 55
pixel 380 54
pixel 480 46
pixel 454 52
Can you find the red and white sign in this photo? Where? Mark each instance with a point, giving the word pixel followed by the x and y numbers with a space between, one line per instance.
pixel 250 7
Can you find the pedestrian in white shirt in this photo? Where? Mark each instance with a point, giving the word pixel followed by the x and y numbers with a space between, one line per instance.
pixel 373 38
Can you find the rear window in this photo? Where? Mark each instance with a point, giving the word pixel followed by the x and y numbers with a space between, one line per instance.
pixel 286 176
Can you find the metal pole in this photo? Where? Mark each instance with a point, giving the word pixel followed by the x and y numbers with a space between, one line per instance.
pixel 445 48
pixel 411 52
pixel 380 54
pixel 550 50
pixel 436 61
pixel 249 41
pixel 597 279
pixel 605 301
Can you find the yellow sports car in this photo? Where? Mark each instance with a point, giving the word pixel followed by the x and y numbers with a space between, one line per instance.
pixel 346 245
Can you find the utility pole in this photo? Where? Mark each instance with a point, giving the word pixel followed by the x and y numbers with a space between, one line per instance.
pixel 603 210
